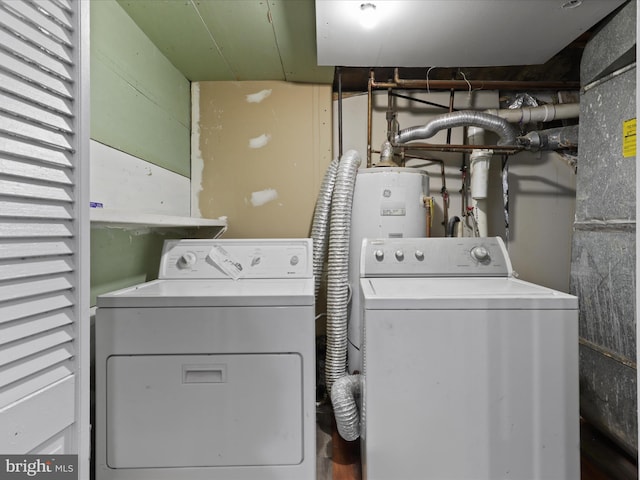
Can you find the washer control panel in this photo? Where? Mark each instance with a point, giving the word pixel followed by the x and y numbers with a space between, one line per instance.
pixel 235 259
pixel 434 257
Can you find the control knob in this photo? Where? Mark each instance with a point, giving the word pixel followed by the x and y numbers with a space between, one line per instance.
pixel 399 255
pixel 419 255
pixel 379 254
pixel 480 254
pixel 187 260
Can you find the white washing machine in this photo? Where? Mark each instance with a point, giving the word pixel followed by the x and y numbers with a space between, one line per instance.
pixel 209 371
pixel 469 373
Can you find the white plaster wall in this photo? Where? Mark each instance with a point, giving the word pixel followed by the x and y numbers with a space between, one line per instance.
pixel 122 182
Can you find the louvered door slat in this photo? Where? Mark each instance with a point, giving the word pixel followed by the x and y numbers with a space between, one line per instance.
pixel 22 148
pixel 44 318
pixel 26 90
pixel 32 112
pixel 35 325
pixel 34 171
pixel 55 12
pixel 32 190
pixel 24 289
pixel 18 370
pixel 34 230
pixel 33 345
pixel 33 209
pixel 26 12
pixel 19 269
pixel 34 132
pixel 30 384
pixel 39 247
pixel 33 36
pixel 23 309
pixel 65 5
pixel 35 76
pixel 31 54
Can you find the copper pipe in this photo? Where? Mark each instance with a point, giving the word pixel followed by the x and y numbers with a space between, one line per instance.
pixel 473 84
pixel 451 98
pixel 427 205
pixel 339 71
pixel 443 191
pixel 505 149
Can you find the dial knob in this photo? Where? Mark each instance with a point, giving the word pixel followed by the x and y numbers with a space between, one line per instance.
pixel 419 255
pixel 379 254
pixel 294 260
pixel 399 255
pixel 187 260
pixel 480 254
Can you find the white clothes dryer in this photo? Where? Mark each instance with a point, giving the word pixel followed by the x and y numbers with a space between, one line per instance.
pixel 209 371
pixel 469 373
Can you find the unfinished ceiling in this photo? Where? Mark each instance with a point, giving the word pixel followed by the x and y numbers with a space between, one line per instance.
pixel 276 39
pixel 234 39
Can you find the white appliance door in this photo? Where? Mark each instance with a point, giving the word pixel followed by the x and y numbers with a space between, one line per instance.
pixel 474 395
pixel 204 410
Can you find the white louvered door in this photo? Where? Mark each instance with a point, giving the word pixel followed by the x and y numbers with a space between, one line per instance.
pixel 44 228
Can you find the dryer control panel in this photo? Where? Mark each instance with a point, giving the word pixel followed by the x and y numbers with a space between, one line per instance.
pixel 435 257
pixel 237 258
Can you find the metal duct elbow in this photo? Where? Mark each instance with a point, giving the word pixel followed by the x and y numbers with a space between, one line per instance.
pixel 500 126
pixel 344 396
pixel 338 269
pixel 319 227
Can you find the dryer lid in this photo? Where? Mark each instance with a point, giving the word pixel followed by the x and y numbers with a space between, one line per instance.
pixel 213 293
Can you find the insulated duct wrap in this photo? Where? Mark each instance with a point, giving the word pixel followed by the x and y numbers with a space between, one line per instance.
pixel 338 270
pixel 319 231
pixel 345 406
pixel 500 126
pixel 551 139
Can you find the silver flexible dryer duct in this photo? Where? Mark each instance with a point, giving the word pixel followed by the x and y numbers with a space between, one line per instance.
pixel 502 127
pixel 345 407
pixel 319 231
pixel 338 270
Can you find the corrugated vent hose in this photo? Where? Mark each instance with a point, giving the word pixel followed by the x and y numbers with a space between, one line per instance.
pixel 319 231
pixel 500 126
pixel 343 399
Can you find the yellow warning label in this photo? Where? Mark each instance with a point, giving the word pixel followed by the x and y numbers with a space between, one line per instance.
pixel 629 138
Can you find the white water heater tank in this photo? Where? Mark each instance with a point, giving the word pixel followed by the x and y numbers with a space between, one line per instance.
pixel 388 202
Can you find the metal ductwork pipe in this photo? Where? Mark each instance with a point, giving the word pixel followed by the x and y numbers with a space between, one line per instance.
pixel 551 139
pixel 500 126
pixel 338 270
pixel 319 231
pixel 542 113
pixel 344 396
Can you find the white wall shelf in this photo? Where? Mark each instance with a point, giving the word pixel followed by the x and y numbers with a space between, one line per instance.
pixel 115 218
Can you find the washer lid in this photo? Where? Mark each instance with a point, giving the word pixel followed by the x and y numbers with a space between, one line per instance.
pixel 468 293
pixel 213 293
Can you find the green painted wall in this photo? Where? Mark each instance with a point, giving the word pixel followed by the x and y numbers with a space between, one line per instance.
pixel 121 258
pixel 140 103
